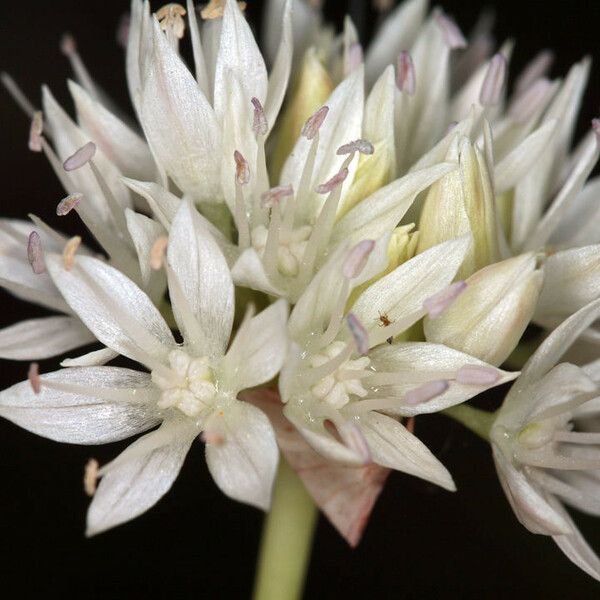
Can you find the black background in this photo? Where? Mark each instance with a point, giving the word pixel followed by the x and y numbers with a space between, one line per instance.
pixel 421 542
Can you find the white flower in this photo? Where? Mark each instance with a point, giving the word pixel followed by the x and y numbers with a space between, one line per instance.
pixel 541 453
pixel 328 381
pixel 191 388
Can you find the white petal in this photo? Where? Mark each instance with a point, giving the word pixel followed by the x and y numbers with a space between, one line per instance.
pixel 139 477
pixel 435 362
pixel 96 405
pixel 37 339
pixel 258 349
pixel 117 312
pixel 199 60
pixel 132 57
pixel 245 463
pixel 248 271
pixel 527 501
pixel 238 54
pixel 383 210
pixel 280 72
pixel 96 358
pixel 125 148
pixel 163 203
pixel 398 32
pixel 403 291
pixel 393 446
pixel 204 278
pixel 179 123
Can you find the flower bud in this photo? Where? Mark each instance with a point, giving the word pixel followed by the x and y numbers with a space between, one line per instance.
pixel 459 203
pixel 313 87
pixel 489 317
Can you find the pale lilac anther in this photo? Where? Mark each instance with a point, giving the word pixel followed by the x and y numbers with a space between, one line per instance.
pixel 34 378
pixel 362 146
pixel 242 170
pixel 314 122
pixel 330 185
pixel 406 78
pixel 435 305
pixel 68 45
pixel 259 124
pixel 477 375
pixel 123 30
pixel 80 158
pixel 273 196
pixel 493 84
pixel 596 128
pixel 359 333
pixel 35 253
pixel 357 259
pixel 426 392
pixel 528 102
pixel 452 34
pixel 66 205
pixel 35 132
pixel 537 68
pixel 357 442
pixel 355 57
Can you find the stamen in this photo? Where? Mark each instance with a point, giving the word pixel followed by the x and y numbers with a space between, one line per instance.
pixel 66 205
pixel 68 47
pixel 170 18
pixel 259 125
pixel 435 305
pixel 359 333
pixel 157 252
pixel 212 437
pixel 425 392
pixel 34 378
pixel 383 5
pixel 452 34
pixel 354 58
pixel 90 477
pixel 35 132
pixel 69 252
pixel 357 259
pixel 477 375
pixel 242 170
pixel 17 94
pixel 334 182
pixel 492 86
pixel 214 9
pixel 81 157
pixel 406 79
pixel 362 146
pixel 314 122
pixel 273 196
pixel 410 425
pixel 596 128
pixel 537 68
pixel 35 253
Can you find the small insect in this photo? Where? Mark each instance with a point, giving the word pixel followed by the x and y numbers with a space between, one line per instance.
pixel 385 321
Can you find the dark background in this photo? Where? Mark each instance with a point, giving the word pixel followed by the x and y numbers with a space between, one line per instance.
pixel 421 542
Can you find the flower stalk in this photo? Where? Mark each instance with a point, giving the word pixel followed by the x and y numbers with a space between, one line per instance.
pixel 286 539
pixel 478 421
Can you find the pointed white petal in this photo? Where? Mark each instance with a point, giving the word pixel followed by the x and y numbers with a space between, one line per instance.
pixel 117 312
pixel 199 60
pixel 92 405
pixel 258 349
pixel 393 446
pixel 96 358
pixel 204 278
pixel 163 203
pixel 179 122
pixel 248 271
pixel 245 463
pixel 144 232
pixel 139 477
pixel 402 293
pixel 240 55
pixel 37 339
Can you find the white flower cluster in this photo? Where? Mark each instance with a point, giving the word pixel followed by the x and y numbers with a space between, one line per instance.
pixel 400 219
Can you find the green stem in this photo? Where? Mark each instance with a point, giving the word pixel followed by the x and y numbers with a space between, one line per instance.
pixel 478 421
pixel 286 540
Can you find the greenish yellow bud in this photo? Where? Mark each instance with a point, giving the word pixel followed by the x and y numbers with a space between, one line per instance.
pixel 463 202
pixel 488 319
